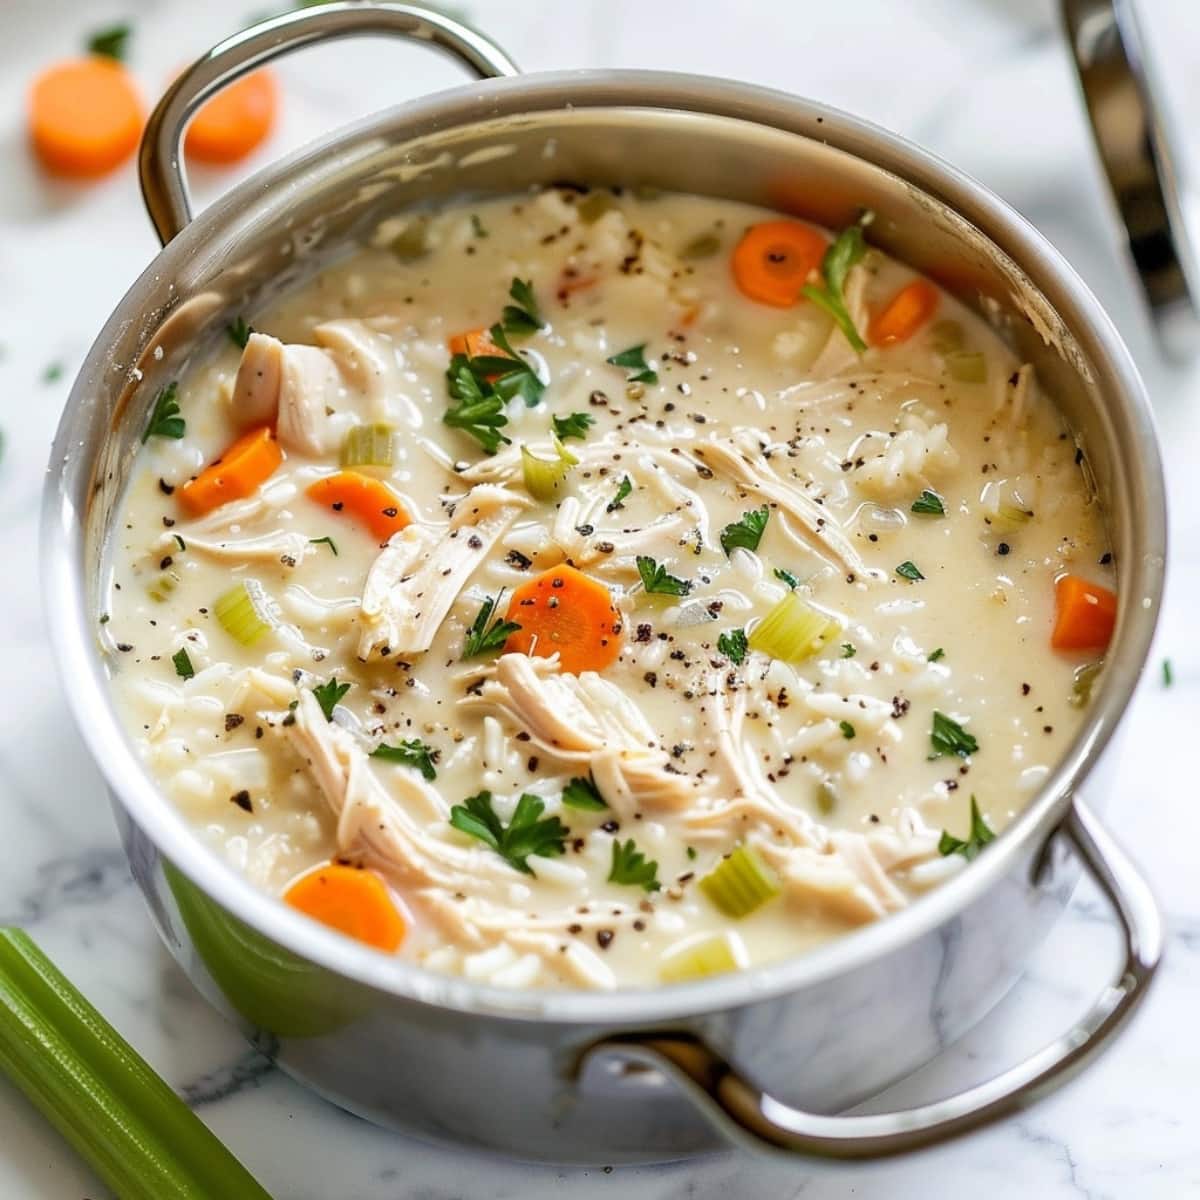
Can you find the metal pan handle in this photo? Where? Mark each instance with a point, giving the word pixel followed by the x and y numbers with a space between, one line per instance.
pixel 751 1117
pixel 160 159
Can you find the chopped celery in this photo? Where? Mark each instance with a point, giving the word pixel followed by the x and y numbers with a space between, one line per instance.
pixel 1085 680
pixel 739 884
pixel 792 630
pixel 244 612
pixel 163 586
pixel 594 205
pixel 967 366
pixel 704 245
pixel 543 477
pixel 1008 518
pixel 946 336
pixel 697 958
pixel 827 797
pixel 412 242
pixel 369 446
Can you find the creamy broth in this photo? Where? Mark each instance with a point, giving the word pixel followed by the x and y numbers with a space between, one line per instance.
pixel 936 625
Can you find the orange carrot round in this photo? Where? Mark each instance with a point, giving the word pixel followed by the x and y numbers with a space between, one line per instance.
pixel 773 261
pixel 1086 614
pixel 904 313
pixel 351 900
pixel 238 473
pixel 85 117
pixel 566 612
pixel 371 502
pixel 235 120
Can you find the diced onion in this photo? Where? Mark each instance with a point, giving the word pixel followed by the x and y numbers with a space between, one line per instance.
pixel 244 612
pixel 740 883
pixel 698 958
pixel 792 630
pixel 369 446
pixel 163 586
pixel 543 477
pixel 967 366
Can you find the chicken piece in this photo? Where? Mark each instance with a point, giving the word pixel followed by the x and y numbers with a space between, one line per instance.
pixel 370 362
pixel 420 572
pixel 812 879
pixel 274 546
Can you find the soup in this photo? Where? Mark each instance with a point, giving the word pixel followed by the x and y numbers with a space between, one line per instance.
pixel 595 589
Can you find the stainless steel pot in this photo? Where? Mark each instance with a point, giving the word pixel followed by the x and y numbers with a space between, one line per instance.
pixel 581 1076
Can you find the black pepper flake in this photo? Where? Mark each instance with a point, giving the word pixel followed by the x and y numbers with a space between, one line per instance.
pixel 1105 559
pixel 643 633
pixel 1025 689
pixel 232 721
pixel 610 826
pixel 124 647
pixel 604 938
pixel 1003 549
pixel 515 558
pixel 242 800
pixel 166 488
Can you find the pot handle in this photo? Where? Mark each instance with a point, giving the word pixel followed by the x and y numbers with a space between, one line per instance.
pixel 751 1117
pixel 160 159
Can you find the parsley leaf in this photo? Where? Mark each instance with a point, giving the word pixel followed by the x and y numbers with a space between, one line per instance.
pixel 734 645
pixel 849 649
pixel 506 374
pixel 165 420
pixel 848 730
pixel 656 580
pixel 583 794
pixel 325 541
pixel 574 425
pixel 936 655
pixel 634 359
pixel 909 570
pixel 787 577
pixel 483 638
pixel 53 372
pixel 979 837
pixel 239 332
pixel 929 503
pixel 477 226
pixel 412 753
pixel 110 42
pixel 747 532
pixel 618 501
pixel 328 694
pixel 629 866
pixel 949 737
pixel 183 664
pixel 1168 675
pixel 847 249
pixel 480 412
pixel 524 317
pixel 524 835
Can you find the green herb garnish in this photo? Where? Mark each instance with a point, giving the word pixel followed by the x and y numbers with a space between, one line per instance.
pixel 847 249
pixel 634 359
pixel 485 638
pixel 629 866
pixel 412 753
pixel 183 664
pixel 480 412
pixel 849 650
pixel 584 795
pixel 618 501
pixel 239 332
pixel 477 226
pixel 848 730
pixel 786 577
pixel 328 694
pixel 949 737
pixel 111 42
pixel 747 532
pixel 325 541
pixel 574 425
pixel 510 374
pixel 165 420
pixel 525 834
pixel 523 317
pixel 979 837
pixel 656 580
pixel 909 570
pixel 929 503
pixel 1168 675
pixel 936 655
pixel 733 645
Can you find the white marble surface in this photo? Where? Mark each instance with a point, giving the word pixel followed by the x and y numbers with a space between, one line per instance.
pixel 983 82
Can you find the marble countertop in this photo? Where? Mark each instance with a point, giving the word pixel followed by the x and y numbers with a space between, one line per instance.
pixel 985 83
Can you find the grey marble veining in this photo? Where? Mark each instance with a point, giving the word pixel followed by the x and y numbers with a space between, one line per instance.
pixel 982 82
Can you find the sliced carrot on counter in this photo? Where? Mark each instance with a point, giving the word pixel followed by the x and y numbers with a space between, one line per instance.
pixel 85 117
pixel 1086 614
pixel 351 900
pixel 235 120
pixel 238 473
pixel 367 500
pixel 904 313
pixel 773 261
pixel 474 343
pixel 566 612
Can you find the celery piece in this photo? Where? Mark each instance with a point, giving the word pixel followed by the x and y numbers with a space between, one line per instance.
pixel 967 366
pixel 1008 518
pixel 543 477
pixel 697 958
pixel 594 205
pixel 793 630
pixel 369 446
pixel 947 336
pixel 102 1097
pixel 739 884
pixel 1084 681
pixel 243 612
pixel 703 245
pixel 412 242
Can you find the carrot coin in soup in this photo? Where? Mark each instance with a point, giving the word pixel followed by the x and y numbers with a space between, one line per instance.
pixel 594 590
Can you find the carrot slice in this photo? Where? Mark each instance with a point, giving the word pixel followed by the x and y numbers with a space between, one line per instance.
pixel 773 261
pixel 474 343
pixel 235 120
pixel 1086 615
pixel 368 500
pixel 85 117
pixel 353 901
pixel 566 612
pixel 238 473
pixel 904 313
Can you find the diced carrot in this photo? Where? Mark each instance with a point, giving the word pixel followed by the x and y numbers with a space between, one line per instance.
pixel 351 900
pixel 904 313
pixel 238 473
pixel 474 343
pixel 773 261
pixel 566 612
pixel 235 121
pixel 368 500
pixel 85 117
pixel 1086 614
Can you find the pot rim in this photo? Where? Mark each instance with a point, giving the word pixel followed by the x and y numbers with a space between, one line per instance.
pixel 1141 583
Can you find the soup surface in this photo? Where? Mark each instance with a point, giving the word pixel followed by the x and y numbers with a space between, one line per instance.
pixel 662 630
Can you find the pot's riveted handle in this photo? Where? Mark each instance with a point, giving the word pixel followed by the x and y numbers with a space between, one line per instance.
pixel 750 1116
pixel 160 159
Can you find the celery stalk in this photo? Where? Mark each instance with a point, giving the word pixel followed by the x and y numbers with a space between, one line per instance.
pixel 102 1097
